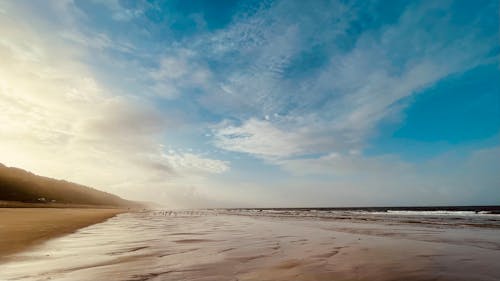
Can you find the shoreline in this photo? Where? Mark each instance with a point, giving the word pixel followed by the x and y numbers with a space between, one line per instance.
pixel 24 228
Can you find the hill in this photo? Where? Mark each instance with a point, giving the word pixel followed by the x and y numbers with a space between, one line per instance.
pixel 22 186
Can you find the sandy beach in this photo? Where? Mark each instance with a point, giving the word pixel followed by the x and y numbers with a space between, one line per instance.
pixel 207 245
pixel 21 228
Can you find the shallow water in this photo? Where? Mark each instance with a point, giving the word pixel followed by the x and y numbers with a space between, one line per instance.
pixel 487 217
pixel 222 245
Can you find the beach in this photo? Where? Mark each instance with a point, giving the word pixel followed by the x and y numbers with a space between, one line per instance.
pixel 22 228
pixel 241 245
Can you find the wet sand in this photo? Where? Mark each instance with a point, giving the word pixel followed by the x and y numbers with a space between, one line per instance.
pixel 22 228
pixel 209 246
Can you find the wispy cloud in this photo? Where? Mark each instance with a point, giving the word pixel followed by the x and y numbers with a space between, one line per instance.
pixel 339 106
pixel 195 163
pixel 258 137
pixel 180 73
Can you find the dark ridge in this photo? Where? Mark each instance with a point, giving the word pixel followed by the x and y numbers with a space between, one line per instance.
pixel 22 186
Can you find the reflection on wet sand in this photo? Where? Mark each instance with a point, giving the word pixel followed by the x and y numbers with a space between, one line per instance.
pixel 213 246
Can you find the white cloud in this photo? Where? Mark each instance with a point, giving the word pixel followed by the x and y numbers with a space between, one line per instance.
pixel 257 137
pixel 195 163
pixel 180 72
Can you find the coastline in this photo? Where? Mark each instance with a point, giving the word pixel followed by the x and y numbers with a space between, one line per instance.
pixel 23 228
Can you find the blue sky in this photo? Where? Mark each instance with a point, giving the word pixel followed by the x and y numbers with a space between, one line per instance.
pixel 256 103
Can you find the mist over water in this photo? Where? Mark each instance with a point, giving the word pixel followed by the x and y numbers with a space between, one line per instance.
pixel 264 245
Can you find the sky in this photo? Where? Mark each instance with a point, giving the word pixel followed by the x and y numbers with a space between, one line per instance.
pixel 256 103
